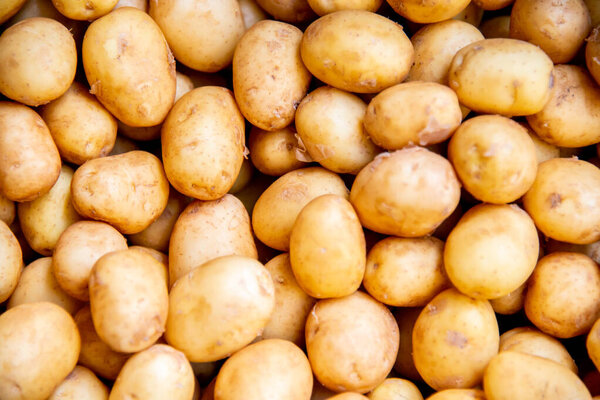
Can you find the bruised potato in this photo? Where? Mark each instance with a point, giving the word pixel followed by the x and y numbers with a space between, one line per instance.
pixel 274 153
pixel 81 383
pixel 12 261
pixel 430 11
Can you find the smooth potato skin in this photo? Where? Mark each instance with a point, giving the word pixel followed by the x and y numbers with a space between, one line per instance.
pixel 428 12
pixel 251 13
pixel 10 8
pixel 84 10
pixel 274 153
pixel 8 210
pixel 396 388
pixel 510 303
pixel 12 261
pixel 79 384
pixel 322 7
pixel 458 394
pixel 292 11
pixel 592 54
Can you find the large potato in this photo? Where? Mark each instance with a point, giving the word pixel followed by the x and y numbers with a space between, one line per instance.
pixel 81 383
pixel 426 12
pixel 396 389
pixel 292 11
pixel 129 67
pixel 84 10
pixel 357 51
pixel 269 78
pixel 9 8
pixel 39 345
pixel 322 7
pixel 12 261
pixel 129 191
pixel 275 153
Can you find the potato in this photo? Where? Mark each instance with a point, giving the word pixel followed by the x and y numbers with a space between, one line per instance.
pixel 366 61
pixel 453 340
pixel 123 145
pixel 497 27
pixel 8 210
pixel 32 171
pixel 559 28
pixel 405 193
pixel 84 10
pixel 129 191
pixel 12 262
pixel 564 200
pixel 322 7
pixel 140 4
pixel 592 53
pixel 10 8
pixel 244 177
pixel 593 343
pixel 494 158
pixel 428 12
pixel 292 11
pixel 207 230
pixel 184 85
pixel 274 153
pixel 272 368
pixel 347 396
pixel 158 256
pixel 269 78
pixel 39 344
pixel 251 13
pixel 81 383
pixel 404 365
pixel 563 294
pixel 159 372
pixel 512 375
pixel 510 303
pixel 396 389
pixel 493 4
pixel 472 14
pixel 351 342
pixel 203 143
pixel 517 75
pixel 458 394
pixel 129 67
pixel 128 300
pixel 544 151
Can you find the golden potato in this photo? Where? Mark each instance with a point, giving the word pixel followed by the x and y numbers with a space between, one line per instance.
pixel 10 8
pixel 129 67
pixel 322 7
pixel 472 14
pixel 84 10
pixel 544 151
pixel 123 145
pixel 593 343
pixel 348 396
pixel 458 394
pixel 158 256
pixel 45 8
pixel 184 84
pixel 405 365
pixel 140 4
pixel 493 4
pixel 8 210
pixel 251 13
pixel 497 27
pixel 275 153
pixel 12 262
pixel 430 11
pixel 81 383
pixel 510 303
pixel 592 53
pixel 396 389
pixel 292 11
pixel 243 177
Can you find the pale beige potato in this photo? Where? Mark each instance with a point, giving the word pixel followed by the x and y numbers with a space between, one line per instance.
pixel 278 206
pixel 9 8
pixel 39 345
pixel 129 191
pixel 207 230
pixel 564 200
pixel 269 78
pixel 453 340
pixel 322 7
pixel 231 298
pixel 517 76
pixel 592 53
pixel 128 300
pixel 84 10
pixel 544 151
pixel 243 177
pixel 203 143
pixel 184 85
pixel 493 4
pixel 11 263
pixel 123 145
pixel 591 250
pixel 593 343
pixel 458 394
pixel 140 4
pixel 408 193
pixel 351 342
pixel 405 365
pixel 251 13
pixel 396 389
pixel 269 369
pixel 157 373
pixel 81 383
pixel 430 11
pixel 31 171
pixel 357 51
pixel 44 219
pixel 275 153
pixel 510 303
pixel 158 256
pixel 497 27
pixel 129 67
pixel 347 396
pixel 472 14
pixel 405 272
pixel 8 210
pixel 512 375
pixel 563 294
pixel 292 11
pixel 142 134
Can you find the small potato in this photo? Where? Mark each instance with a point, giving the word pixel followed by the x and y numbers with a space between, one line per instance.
pixel 357 51
pixel 405 365
pixel 270 369
pixel 592 53
pixel 231 299
pixel 472 14
pixel 348 396
pixel 396 389
pixel 203 143
pixel 243 177
pixel 129 191
pixel 207 230
pixel 564 200
pixel 563 294
pixel 159 372
pixel 510 303
pixel 292 11
pixel 39 345
pixel 453 340
pixel 129 67
pixel 269 78
pixel 11 263
pixel 322 7
pixel 128 283
pixel 81 383
pixel 544 151
pixel 251 13
pixel 351 342
pixel 44 219
pixel 458 394
pixel 10 8
pixel 593 343
pixel 274 153
pixel 140 4
pixel 405 193
pixel 497 27
pixel 87 10
pixel 123 145
pixel 8 210
pixel 184 85
pixel 517 74
pixel 430 11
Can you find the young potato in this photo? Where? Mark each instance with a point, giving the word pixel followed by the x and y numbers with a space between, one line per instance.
pixel 12 262
pixel 472 14
pixel 564 200
pixel 292 11
pixel 351 342
pixel 158 256
pixel 377 56
pixel 140 4
pixel 497 27
pixel 129 67
pixel 39 345
pixel 231 299
pixel 243 177
pixel 593 343
pixel 430 11
pixel 184 84
pixel 8 210
pixel 396 389
pixel 348 396
pixel 274 153
pixel 123 145
pixel 405 193
pixel 544 151
pixel 405 365
pixel 330 125
pixel 493 4
pixel 269 78
pixel 81 383
pixel 458 394
pixel 129 191
pixel 592 53
pixel 278 206
pixel 203 143
pixel 251 13
pixel 510 303
pixel 207 230
pixel 9 8
pixel 270 369
pixel 406 272
pixel 128 300
pixel 563 294
pixel 159 372
pixel 322 7
pixel 512 375
pixel 453 340
pixel 84 10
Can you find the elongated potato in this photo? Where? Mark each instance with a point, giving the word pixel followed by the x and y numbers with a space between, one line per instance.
pixel 12 261
pixel 275 153
pixel 81 383
pixel 428 12
pixel 292 11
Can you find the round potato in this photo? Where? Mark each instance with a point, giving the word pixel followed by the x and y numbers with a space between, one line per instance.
pixel 251 12
pixel 510 303
pixel 351 342
pixel 274 153
pixel 593 343
pixel 377 56
pixel 8 210
pixel 458 394
pixel 592 54
pixel 81 383
pixel 84 10
pixel 12 262
pixel 10 8
pixel 292 11
pixel 472 14
pixel 518 76
pixel 497 27
pixel 493 4
pixel 429 11
pixel 269 78
pixel 322 7
pixel 396 389
pixel 405 365
pixel 129 67
pixel 39 345
pixel 348 396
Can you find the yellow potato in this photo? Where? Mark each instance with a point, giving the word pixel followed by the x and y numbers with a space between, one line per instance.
pixel 493 4
pixel 592 53
pixel 472 14
pixel 497 27
pixel 244 176
pixel 593 343
pixel 458 394
pixel 430 11
pixel 510 303
pixel 251 13
pixel 123 145
pixel 322 7
pixel 45 8
pixel 347 396
pixel 8 210
pixel 270 369
pixel 292 11
pixel 275 153
pixel 544 151
pixel 158 256
pixel 12 262
pixel 396 389
pixel 269 79
pixel 377 56
pixel 142 134
pixel 81 383
pixel 140 4
pixel 405 365
pixel 39 345
pixel 9 8
pixel 84 10
pixel 129 67
pixel 184 85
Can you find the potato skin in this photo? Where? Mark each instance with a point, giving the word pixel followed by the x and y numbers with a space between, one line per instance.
pixel 592 54
pixel 510 303
pixel 322 7
pixel 8 210
pixel 251 13
pixel 292 11
pixel 497 27
pixel 84 10
pixel 274 153
pixel 428 12
pixel 593 343
pixel 396 388
pixel 12 262
pixel 10 8
pixel 458 394
pixel 493 4
pixel 79 384
pixel 405 365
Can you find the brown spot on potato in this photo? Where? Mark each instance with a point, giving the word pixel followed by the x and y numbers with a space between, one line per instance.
pixel 555 200
pixel 457 339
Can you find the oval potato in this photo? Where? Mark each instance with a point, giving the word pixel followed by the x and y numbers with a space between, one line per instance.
pixel 87 10
pixel 81 383
pixel 275 152
pixel 430 11
pixel 10 8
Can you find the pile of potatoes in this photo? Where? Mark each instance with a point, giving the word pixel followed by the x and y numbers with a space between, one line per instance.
pixel 299 199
